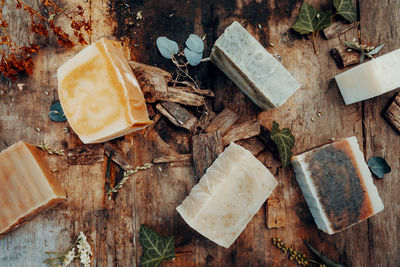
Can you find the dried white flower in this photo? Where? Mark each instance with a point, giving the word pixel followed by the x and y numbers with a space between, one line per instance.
pixel 69 257
pixel 84 250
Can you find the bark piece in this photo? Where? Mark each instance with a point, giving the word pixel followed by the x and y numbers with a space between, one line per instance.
pixel 224 120
pixel 206 149
pixel 85 155
pixel 392 114
pixel 344 58
pixel 191 89
pixel 117 156
pixel 177 115
pixel 205 120
pixel 276 213
pixel 173 158
pixel 242 131
pixel 152 80
pixel 253 144
pixel 179 96
pixel 337 28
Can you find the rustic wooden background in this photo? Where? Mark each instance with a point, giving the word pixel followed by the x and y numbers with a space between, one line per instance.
pixel 112 227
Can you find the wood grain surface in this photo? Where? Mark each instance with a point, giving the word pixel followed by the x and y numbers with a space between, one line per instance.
pixel 152 195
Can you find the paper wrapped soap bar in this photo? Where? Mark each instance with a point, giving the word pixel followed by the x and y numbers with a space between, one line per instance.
pixel 228 195
pixel 337 185
pixel 255 71
pixel 27 186
pixel 100 95
pixel 370 79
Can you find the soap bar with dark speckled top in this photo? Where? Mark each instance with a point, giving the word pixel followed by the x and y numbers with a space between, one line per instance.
pixel 337 185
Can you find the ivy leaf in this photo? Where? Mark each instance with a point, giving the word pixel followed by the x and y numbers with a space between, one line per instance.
pixel 284 139
pixel 193 58
pixel 306 20
pixel 311 21
pixel 195 43
pixel 345 9
pixel 156 248
pixel 328 262
pixel 167 47
pixel 56 113
pixel 379 166
pixel 375 50
pixel 323 20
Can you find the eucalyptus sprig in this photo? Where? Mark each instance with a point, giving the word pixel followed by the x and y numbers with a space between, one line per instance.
pixel 52 151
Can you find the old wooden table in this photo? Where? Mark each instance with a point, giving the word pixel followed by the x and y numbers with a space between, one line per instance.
pixel 112 227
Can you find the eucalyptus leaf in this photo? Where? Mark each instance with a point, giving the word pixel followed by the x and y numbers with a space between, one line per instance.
pixel 328 262
pixel 167 47
pixel 284 140
pixel 193 58
pixel 345 9
pixel 379 166
pixel 195 43
pixel 56 113
pixel 375 50
pixel 156 248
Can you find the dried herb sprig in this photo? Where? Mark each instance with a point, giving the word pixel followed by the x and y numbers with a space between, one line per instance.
pixel 80 249
pixel 294 255
pixel 365 50
pixel 127 174
pixel 52 151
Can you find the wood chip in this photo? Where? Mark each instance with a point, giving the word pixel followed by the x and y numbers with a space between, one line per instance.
pixel 173 158
pixel 180 96
pixel 190 89
pixel 206 119
pixel 337 28
pixel 223 121
pixel 344 58
pixel 276 213
pixel 392 114
pixel 85 155
pixel 177 115
pixel 253 144
pixel 206 149
pixel 241 131
pixel 118 156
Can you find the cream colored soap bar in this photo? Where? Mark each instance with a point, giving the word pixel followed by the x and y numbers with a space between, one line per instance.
pixel 370 79
pixel 100 95
pixel 255 71
pixel 27 186
pixel 228 195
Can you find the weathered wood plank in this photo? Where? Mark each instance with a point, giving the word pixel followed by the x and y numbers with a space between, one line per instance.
pixel 380 24
pixel 223 121
pixel 177 115
pixel 85 155
pixel 242 131
pixel 337 28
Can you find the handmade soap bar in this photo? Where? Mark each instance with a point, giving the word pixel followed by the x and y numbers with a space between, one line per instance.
pixel 255 71
pixel 100 95
pixel 337 185
pixel 27 186
pixel 373 78
pixel 228 195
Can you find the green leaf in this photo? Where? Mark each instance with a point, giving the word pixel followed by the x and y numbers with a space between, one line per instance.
pixel 306 20
pixel 56 113
pixel 309 20
pixel 379 166
pixel 375 50
pixel 328 262
pixel 156 248
pixel 284 139
pixel 345 9
pixel 324 20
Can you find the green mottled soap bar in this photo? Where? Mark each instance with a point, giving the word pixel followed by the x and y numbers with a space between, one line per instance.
pixel 255 71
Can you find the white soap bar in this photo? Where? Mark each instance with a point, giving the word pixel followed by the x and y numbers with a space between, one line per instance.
pixel 100 95
pixel 370 79
pixel 337 185
pixel 255 71
pixel 228 195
